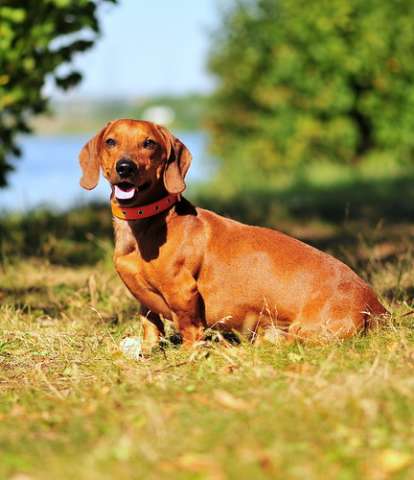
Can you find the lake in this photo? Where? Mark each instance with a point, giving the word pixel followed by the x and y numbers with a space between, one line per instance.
pixel 48 172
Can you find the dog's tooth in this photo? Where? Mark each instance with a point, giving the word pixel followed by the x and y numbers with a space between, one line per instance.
pixel 124 194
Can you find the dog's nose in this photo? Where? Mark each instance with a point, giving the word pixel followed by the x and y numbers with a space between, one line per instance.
pixel 125 168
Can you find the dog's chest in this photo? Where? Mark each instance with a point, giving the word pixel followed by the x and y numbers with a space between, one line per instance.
pixel 141 275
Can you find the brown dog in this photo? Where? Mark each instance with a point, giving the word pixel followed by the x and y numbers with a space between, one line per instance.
pixel 201 270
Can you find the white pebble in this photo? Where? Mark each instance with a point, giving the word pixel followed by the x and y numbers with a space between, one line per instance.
pixel 131 347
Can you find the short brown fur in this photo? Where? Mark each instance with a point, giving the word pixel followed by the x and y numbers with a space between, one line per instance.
pixel 200 270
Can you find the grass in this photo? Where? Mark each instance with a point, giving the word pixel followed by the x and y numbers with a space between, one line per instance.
pixel 72 406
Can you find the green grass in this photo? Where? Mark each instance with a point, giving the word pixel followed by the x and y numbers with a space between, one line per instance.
pixel 72 406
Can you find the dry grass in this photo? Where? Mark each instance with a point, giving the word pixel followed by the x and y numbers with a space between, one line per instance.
pixel 72 406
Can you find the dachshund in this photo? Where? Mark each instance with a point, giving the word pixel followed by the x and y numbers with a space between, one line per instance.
pixel 201 270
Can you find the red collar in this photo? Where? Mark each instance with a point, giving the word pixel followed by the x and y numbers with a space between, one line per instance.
pixel 144 211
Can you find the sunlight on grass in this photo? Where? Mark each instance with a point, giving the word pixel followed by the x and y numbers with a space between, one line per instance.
pixel 74 407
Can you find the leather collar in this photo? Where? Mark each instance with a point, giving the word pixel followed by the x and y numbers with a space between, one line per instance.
pixel 144 211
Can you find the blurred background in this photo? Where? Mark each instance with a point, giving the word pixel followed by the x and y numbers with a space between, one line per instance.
pixel 299 115
pixel 149 61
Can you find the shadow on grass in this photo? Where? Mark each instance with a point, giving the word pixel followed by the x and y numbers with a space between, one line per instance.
pixel 76 237
pixel 83 235
pixel 33 299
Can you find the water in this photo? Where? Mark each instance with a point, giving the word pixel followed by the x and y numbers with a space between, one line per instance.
pixel 48 172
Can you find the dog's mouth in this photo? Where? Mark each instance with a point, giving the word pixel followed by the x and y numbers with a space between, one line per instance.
pixel 126 192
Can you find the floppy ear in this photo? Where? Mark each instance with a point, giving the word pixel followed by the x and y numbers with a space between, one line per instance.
pixel 178 163
pixel 89 160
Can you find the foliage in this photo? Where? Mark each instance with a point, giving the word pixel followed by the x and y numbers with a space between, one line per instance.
pixel 300 81
pixel 37 37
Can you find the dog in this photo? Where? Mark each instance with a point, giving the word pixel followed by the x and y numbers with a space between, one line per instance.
pixel 201 270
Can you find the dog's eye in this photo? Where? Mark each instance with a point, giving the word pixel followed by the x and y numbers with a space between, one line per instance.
pixel 110 142
pixel 148 143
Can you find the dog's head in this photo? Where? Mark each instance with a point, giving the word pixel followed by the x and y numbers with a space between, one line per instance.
pixel 141 160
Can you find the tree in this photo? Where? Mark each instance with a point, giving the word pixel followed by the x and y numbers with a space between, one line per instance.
pixel 300 81
pixel 36 38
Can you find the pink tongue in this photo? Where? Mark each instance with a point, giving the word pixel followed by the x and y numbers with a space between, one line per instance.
pixel 124 194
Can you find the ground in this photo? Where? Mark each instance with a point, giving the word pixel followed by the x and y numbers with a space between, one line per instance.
pixel 73 406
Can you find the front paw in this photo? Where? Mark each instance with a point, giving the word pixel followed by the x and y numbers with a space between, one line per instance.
pixel 191 335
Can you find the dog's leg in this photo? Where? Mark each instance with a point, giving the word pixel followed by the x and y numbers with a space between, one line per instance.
pixel 188 323
pixel 187 309
pixel 191 332
pixel 153 329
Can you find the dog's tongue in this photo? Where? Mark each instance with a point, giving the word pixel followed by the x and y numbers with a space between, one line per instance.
pixel 124 194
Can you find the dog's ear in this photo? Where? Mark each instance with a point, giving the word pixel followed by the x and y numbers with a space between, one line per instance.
pixel 89 160
pixel 178 162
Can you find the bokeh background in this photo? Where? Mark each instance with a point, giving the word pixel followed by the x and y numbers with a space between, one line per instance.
pixel 299 116
pixel 150 61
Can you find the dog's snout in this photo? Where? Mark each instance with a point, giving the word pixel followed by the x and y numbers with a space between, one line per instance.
pixel 125 168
